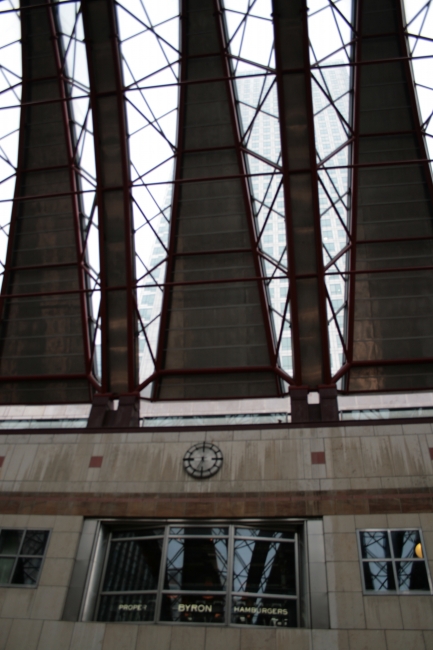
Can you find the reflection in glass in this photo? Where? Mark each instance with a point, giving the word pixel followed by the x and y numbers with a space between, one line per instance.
pixel 379 576
pixel 412 576
pixel 35 542
pixel 264 567
pixel 133 607
pixel 276 612
pixel 193 608
pixel 133 565
pixel 404 543
pixel 375 544
pixel 26 571
pixel 6 566
pixel 196 564
pixel 208 532
pixel 257 532
pixel 140 532
pixel 10 541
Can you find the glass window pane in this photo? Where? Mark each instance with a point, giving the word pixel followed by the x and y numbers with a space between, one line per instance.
pixel 133 565
pixel 140 532
pixel 6 566
pixel 264 567
pixel 375 544
pixel 379 576
pixel 193 608
pixel 10 541
pixel 257 532
pixel 404 543
pixel 35 542
pixel 137 607
pixel 26 571
pixel 275 612
pixel 412 576
pixel 196 564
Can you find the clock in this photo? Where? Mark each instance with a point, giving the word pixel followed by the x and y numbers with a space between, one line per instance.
pixel 203 460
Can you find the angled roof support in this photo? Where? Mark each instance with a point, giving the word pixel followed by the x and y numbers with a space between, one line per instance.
pixel 215 337
pixel 44 336
pixel 390 333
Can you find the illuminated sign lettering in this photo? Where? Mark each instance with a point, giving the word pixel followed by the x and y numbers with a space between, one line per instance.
pixel 194 608
pixel 137 607
pixel 275 611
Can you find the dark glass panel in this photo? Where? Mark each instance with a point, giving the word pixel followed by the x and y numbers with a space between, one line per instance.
pixel 35 542
pixel 133 565
pixel 26 571
pixel 6 566
pixel 140 532
pixel 404 543
pixel 10 541
pixel 129 608
pixel 375 544
pixel 199 531
pixel 275 612
pixel 194 608
pixel 264 567
pixel 196 564
pixel 412 576
pixel 379 576
pixel 258 532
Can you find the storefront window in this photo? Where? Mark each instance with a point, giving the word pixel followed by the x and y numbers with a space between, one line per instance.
pixel 201 574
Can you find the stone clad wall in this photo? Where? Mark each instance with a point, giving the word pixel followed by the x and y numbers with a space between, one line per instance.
pixel 365 457
pixel 355 477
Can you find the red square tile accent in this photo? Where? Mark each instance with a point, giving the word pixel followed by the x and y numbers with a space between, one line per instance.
pixel 96 461
pixel 431 452
pixel 317 457
pixel 2 460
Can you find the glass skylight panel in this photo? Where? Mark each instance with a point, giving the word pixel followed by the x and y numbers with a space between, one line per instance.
pixel 419 29
pixel 330 32
pixel 76 78
pixel 250 42
pixel 149 44
pixel 10 98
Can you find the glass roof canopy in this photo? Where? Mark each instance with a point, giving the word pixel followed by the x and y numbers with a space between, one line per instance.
pixel 151 96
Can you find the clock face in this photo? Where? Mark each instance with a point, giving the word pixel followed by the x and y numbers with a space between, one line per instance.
pixel 203 460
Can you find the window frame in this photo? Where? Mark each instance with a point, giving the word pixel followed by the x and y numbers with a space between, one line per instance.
pixel 99 559
pixel 393 560
pixel 18 555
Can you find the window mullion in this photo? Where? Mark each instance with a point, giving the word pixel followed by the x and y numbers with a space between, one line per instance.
pixel 229 586
pixel 162 570
pixel 394 566
pixel 103 572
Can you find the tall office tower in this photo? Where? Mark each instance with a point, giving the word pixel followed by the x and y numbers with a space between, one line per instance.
pixel 330 136
pixel 215 209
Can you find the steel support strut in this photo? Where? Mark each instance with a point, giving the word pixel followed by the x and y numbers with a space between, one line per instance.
pixel 215 337
pixel 390 332
pixel 44 334
pixel 304 243
pixel 118 320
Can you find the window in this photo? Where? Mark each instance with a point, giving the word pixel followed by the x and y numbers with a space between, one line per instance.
pixel 393 561
pixel 21 555
pixel 215 574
